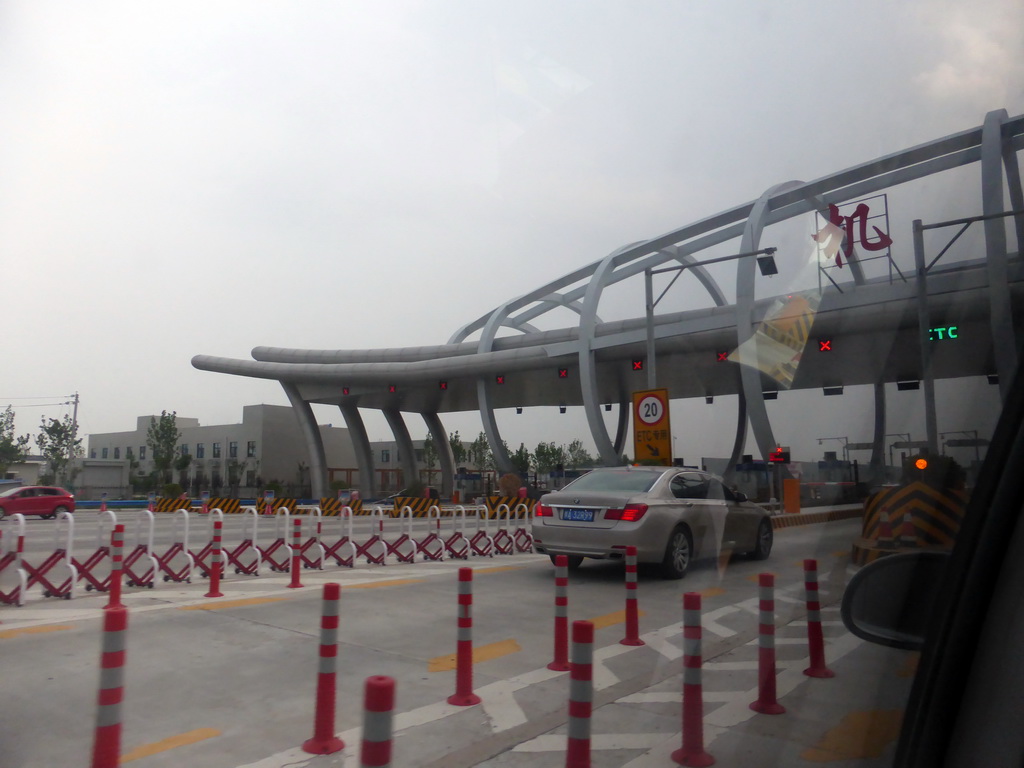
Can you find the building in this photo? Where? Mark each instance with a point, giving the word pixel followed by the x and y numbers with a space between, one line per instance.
pixel 234 459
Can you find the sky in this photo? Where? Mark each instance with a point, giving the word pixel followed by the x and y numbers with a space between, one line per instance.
pixel 181 178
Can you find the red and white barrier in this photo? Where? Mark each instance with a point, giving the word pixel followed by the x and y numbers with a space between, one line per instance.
pixel 692 752
pixel 106 748
pixel 87 568
pixel 581 695
pixel 13 546
pixel 561 660
pixel 404 539
pixel 457 545
pixel 815 636
pixel 324 742
pixel 433 537
pixel 204 557
pixel 523 537
pixel 376 540
pixel 378 708
pixel 632 610
pixel 279 553
pixel 312 550
pixel 504 544
pixel 178 550
pixel 61 558
pixel 344 541
pixel 481 543
pixel 766 702
pixel 464 696
pixel 246 557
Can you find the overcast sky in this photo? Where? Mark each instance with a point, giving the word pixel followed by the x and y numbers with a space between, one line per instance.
pixel 181 177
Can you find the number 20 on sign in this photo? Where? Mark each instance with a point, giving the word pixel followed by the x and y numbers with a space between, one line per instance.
pixel 652 434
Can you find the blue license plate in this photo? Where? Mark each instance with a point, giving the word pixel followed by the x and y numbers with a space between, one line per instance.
pixel 580 515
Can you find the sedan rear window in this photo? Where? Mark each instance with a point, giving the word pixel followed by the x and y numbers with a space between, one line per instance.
pixel 614 480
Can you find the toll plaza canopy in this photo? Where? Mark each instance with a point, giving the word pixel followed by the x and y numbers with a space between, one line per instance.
pixel 741 344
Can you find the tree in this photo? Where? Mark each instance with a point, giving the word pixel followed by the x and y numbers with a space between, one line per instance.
pixel 13 448
pixel 547 456
pixel 578 456
pixel 480 453
pixel 162 438
pixel 458 449
pixel 522 460
pixel 430 454
pixel 59 445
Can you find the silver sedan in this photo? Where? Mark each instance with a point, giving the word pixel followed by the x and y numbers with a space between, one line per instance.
pixel 671 515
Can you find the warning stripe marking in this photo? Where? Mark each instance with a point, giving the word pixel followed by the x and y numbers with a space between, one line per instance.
pixel 231 604
pixel 9 633
pixel 611 619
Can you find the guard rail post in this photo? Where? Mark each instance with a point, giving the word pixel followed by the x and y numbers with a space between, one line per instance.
pixel 815 636
pixel 116 566
pixel 632 612
pixel 692 752
pixel 106 748
pixel 581 695
pixel 215 561
pixel 296 583
pixel 464 696
pixel 378 705
pixel 766 703
pixel 561 660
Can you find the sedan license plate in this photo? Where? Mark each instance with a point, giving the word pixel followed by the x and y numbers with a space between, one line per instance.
pixel 580 515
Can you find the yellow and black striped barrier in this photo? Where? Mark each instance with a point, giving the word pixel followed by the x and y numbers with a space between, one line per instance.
pixel 493 502
pixel 934 517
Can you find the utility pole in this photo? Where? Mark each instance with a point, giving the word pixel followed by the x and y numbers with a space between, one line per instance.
pixel 74 433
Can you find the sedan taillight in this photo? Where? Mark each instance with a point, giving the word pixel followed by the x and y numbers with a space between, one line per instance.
pixel 629 514
pixel 541 511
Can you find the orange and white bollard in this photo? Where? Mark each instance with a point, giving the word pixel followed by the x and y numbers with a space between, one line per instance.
pixel 324 742
pixel 766 703
pixel 632 611
pixel 116 566
pixel 296 583
pixel 561 660
pixel 692 752
pixel 815 636
pixel 581 695
pixel 106 748
pixel 378 706
pixel 216 558
pixel 464 696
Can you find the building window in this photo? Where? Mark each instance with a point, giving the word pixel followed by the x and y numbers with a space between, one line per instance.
pixel 385 456
pixel 117 453
pixel 142 453
pixel 184 449
pixel 216 450
pixel 128 452
pixel 250 450
pixel 104 453
pixel 92 453
pixel 233 449
pixel 200 451
pixel 250 478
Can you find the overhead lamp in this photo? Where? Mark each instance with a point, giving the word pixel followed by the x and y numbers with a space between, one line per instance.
pixel 837 390
pixel 909 384
pixel 993 378
pixel 519 410
pixel 709 399
pixel 607 406
pixel 766 263
pixel 771 395
pixel 561 409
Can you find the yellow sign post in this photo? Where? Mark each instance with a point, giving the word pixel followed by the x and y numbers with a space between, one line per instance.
pixel 652 434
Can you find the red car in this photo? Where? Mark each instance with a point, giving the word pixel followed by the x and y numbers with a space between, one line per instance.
pixel 42 500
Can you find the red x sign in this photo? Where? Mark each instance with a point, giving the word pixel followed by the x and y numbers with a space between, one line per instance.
pixel 638 365
pixel 824 345
pixel 723 357
pixel 563 373
pixel 499 379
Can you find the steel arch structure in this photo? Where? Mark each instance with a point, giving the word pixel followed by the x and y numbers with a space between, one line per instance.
pixel 406 379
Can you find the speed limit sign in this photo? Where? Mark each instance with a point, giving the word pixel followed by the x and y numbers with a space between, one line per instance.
pixel 652 435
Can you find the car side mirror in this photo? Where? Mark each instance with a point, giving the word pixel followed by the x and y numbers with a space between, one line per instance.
pixel 740 497
pixel 890 600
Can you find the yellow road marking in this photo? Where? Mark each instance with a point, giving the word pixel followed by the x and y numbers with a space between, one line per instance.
pixel 230 604
pixel 375 584
pixel 499 569
pixel 7 633
pixel 611 619
pixel 480 653
pixel 712 592
pixel 756 577
pixel 181 740
pixel 858 735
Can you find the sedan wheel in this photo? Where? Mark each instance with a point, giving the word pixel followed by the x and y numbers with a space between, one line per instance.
pixel 765 537
pixel 678 554
pixel 57 511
